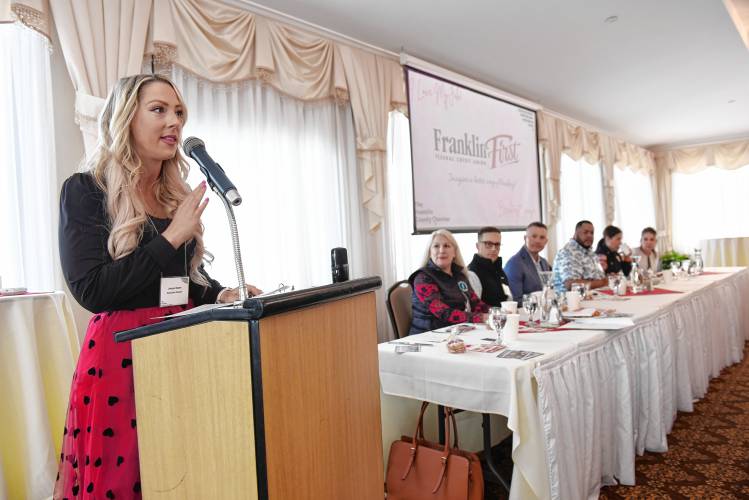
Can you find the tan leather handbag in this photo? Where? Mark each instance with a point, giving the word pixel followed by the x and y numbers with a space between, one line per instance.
pixel 419 469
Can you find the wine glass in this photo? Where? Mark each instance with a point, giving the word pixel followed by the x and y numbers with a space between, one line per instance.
pixel 546 278
pixel 676 269
pixel 530 304
pixel 497 321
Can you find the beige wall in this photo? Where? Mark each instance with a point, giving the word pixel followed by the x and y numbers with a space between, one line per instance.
pixel 68 148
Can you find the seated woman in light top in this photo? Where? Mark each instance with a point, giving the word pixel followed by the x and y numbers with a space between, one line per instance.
pixel 442 294
pixel 649 260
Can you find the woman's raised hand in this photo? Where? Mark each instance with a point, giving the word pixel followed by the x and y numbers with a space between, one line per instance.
pixel 186 221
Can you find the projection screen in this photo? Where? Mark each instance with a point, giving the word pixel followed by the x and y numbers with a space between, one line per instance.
pixel 474 158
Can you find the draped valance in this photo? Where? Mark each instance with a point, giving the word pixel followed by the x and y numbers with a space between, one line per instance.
pixel 104 41
pixel 33 14
pixel 727 155
pixel 226 44
pixel 578 142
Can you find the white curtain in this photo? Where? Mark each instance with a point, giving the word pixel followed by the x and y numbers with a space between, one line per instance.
pixel 28 194
pixel 399 200
pixel 581 195
pixel 634 203
pixel 709 204
pixel 294 163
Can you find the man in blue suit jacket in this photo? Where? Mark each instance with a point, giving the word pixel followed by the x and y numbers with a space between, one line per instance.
pixel 522 269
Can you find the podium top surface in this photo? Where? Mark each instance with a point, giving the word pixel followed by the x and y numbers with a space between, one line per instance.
pixel 259 307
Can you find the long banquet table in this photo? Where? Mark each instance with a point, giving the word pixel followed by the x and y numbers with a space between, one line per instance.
pixel 582 411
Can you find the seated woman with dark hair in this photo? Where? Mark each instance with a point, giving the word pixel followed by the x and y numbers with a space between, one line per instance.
pixel 442 294
pixel 608 247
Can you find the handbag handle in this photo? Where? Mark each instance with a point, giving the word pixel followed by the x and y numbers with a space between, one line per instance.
pixel 419 433
pixel 449 419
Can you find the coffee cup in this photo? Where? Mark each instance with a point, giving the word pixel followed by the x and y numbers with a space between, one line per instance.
pixel 510 306
pixel 573 300
pixel 510 331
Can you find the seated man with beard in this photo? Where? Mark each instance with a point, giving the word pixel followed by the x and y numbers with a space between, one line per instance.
pixel 576 262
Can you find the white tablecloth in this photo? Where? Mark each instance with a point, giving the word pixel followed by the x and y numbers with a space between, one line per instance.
pixel 38 350
pixel 602 404
pixel 602 396
pixel 482 383
pixel 725 251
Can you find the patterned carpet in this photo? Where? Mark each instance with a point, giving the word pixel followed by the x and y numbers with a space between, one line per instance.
pixel 708 450
pixel 708 455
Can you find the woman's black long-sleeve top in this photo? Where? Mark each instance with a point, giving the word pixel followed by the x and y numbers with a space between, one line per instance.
pixel 99 283
pixel 614 262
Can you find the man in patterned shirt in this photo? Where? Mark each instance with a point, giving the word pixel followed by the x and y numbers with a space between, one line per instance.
pixel 576 262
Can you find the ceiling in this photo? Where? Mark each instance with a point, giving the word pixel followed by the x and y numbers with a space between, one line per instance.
pixel 662 74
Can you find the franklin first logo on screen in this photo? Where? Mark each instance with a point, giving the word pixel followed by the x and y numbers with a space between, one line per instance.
pixel 498 151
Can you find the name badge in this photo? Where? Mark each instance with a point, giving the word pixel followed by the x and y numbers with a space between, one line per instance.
pixel 174 291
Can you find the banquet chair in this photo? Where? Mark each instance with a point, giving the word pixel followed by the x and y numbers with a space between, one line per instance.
pixel 399 307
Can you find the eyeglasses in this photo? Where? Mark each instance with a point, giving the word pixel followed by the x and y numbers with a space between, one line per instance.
pixel 491 244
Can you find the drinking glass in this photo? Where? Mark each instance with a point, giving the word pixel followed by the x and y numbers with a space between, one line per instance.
pixel 676 269
pixel 497 321
pixel 530 304
pixel 546 278
pixel 615 281
pixel 561 300
pixel 692 268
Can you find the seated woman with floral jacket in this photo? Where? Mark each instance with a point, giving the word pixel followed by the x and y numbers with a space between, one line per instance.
pixel 442 294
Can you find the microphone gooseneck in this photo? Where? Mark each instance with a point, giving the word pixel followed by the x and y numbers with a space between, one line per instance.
pixel 221 185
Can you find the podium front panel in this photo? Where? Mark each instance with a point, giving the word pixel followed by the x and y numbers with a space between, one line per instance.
pixel 194 413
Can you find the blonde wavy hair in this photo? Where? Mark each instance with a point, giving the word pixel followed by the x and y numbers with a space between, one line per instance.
pixel 117 170
pixel 458 260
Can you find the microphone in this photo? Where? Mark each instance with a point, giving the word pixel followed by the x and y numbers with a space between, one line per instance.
pixel 219 182
pixel 339 264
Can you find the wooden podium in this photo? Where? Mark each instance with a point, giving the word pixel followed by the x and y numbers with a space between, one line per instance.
pixel 278 399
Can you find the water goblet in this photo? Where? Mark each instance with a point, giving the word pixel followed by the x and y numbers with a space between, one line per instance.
pixel 497 321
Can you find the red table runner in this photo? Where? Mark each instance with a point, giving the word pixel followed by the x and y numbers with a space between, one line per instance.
pixel 655 291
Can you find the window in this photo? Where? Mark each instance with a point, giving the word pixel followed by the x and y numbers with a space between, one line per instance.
pixel 28 193
pixel 581 192
pixel 711 203
pixel 634 204
pixel 294 164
